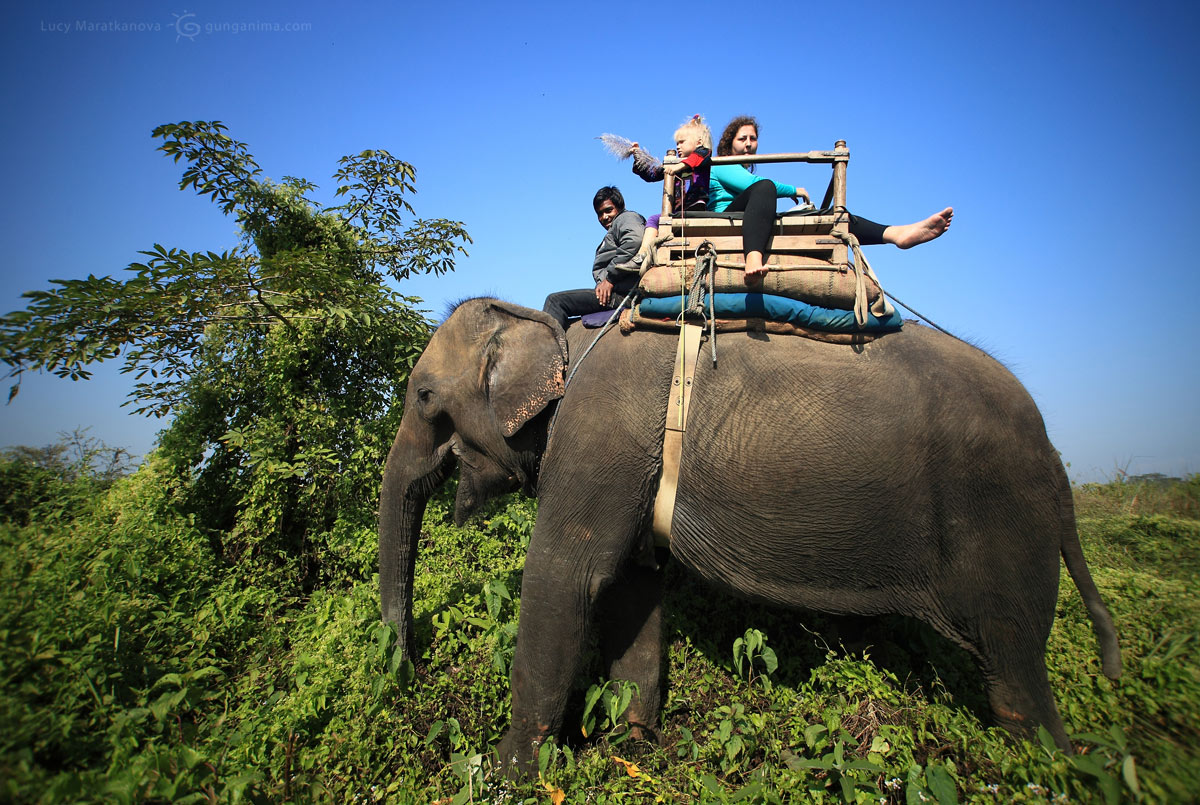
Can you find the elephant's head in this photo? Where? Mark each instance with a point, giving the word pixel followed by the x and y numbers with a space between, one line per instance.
pixel 476 398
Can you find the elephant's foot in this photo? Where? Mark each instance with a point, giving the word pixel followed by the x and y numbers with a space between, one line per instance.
pixel 644 732
pixel 1024 726
pixel 920 232
pixel 642 718
pixel 517 756
pixel 1022 700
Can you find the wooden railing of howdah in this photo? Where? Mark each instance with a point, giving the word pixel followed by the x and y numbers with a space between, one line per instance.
pixel 799 240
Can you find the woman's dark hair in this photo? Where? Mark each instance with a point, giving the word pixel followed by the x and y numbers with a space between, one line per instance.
pixel 609 193
pixel 725 145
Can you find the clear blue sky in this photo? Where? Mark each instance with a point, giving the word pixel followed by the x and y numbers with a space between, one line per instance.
pixel 1062 133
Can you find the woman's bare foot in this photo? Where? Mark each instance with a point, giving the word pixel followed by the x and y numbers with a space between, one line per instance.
pixel 754 267
pixel 905 237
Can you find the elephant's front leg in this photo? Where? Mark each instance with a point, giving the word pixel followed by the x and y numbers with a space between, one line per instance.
pixel 559 593
pixel 629 620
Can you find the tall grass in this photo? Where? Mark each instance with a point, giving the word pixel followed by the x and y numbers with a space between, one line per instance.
pixel 1140 495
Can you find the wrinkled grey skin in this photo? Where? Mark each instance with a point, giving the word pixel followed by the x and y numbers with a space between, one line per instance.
pixel 912 476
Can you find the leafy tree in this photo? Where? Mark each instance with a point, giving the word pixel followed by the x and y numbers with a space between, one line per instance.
pixel 281 360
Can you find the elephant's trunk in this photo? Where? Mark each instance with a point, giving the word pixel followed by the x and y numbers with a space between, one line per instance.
pixel 415 468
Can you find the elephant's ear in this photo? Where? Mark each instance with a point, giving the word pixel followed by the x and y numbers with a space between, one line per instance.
pixel 527 360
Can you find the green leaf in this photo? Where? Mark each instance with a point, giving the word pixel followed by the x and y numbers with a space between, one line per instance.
pixel 1089 764
pixel 1046 740
pixel 402 669
pixel 747 792
pixel 1118 736
pixel 1129 774
pixel 1092 737
pixel 592 696
pixel 941 784
pixel 798 763
pixel 191 758
pixel 770 661
pixel 914 792
pixel 167 679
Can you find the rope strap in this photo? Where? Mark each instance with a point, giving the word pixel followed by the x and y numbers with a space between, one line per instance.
pixel 881 307
pixel 678 401
pixel 862 270
pixel 702 283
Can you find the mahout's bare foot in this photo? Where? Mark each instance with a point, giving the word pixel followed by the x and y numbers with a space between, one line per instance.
pixel 905 237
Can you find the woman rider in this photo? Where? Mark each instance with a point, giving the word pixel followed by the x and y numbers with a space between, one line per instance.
pixel 733 188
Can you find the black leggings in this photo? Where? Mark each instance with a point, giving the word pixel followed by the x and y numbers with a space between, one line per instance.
pixel 757 205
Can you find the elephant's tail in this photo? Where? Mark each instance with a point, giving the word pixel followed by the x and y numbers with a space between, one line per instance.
pixel 1072 553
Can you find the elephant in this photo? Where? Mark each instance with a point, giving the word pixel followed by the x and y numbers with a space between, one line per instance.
pixel 910 475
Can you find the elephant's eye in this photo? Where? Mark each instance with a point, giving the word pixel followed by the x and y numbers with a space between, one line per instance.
pixel 427 404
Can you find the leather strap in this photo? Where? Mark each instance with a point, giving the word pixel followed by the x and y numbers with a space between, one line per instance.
pixel 686 358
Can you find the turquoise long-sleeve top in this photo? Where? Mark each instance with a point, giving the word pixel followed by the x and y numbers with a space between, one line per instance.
pixel 726 182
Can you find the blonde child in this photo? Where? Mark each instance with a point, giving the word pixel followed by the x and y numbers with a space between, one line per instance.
pixel 693 142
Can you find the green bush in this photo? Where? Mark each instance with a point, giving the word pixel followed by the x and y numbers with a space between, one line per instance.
pixel 139 664
pixel 59 480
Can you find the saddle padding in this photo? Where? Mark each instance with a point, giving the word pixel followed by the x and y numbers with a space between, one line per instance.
pixel 824 286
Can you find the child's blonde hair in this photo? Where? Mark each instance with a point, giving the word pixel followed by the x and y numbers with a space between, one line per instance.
pixel 696 125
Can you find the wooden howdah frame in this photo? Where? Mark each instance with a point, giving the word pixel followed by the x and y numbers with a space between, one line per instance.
pixel 797 240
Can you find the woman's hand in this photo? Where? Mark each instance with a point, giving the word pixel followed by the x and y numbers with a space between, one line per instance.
pixel 802 196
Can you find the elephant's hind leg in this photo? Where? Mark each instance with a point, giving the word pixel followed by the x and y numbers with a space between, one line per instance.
pixel 629 615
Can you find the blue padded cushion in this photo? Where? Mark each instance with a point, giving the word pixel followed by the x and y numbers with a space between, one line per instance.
pixel 775 308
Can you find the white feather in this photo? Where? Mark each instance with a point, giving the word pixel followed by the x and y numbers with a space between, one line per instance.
pixel 622 148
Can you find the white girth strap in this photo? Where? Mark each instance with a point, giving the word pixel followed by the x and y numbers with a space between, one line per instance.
pixel 690 337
